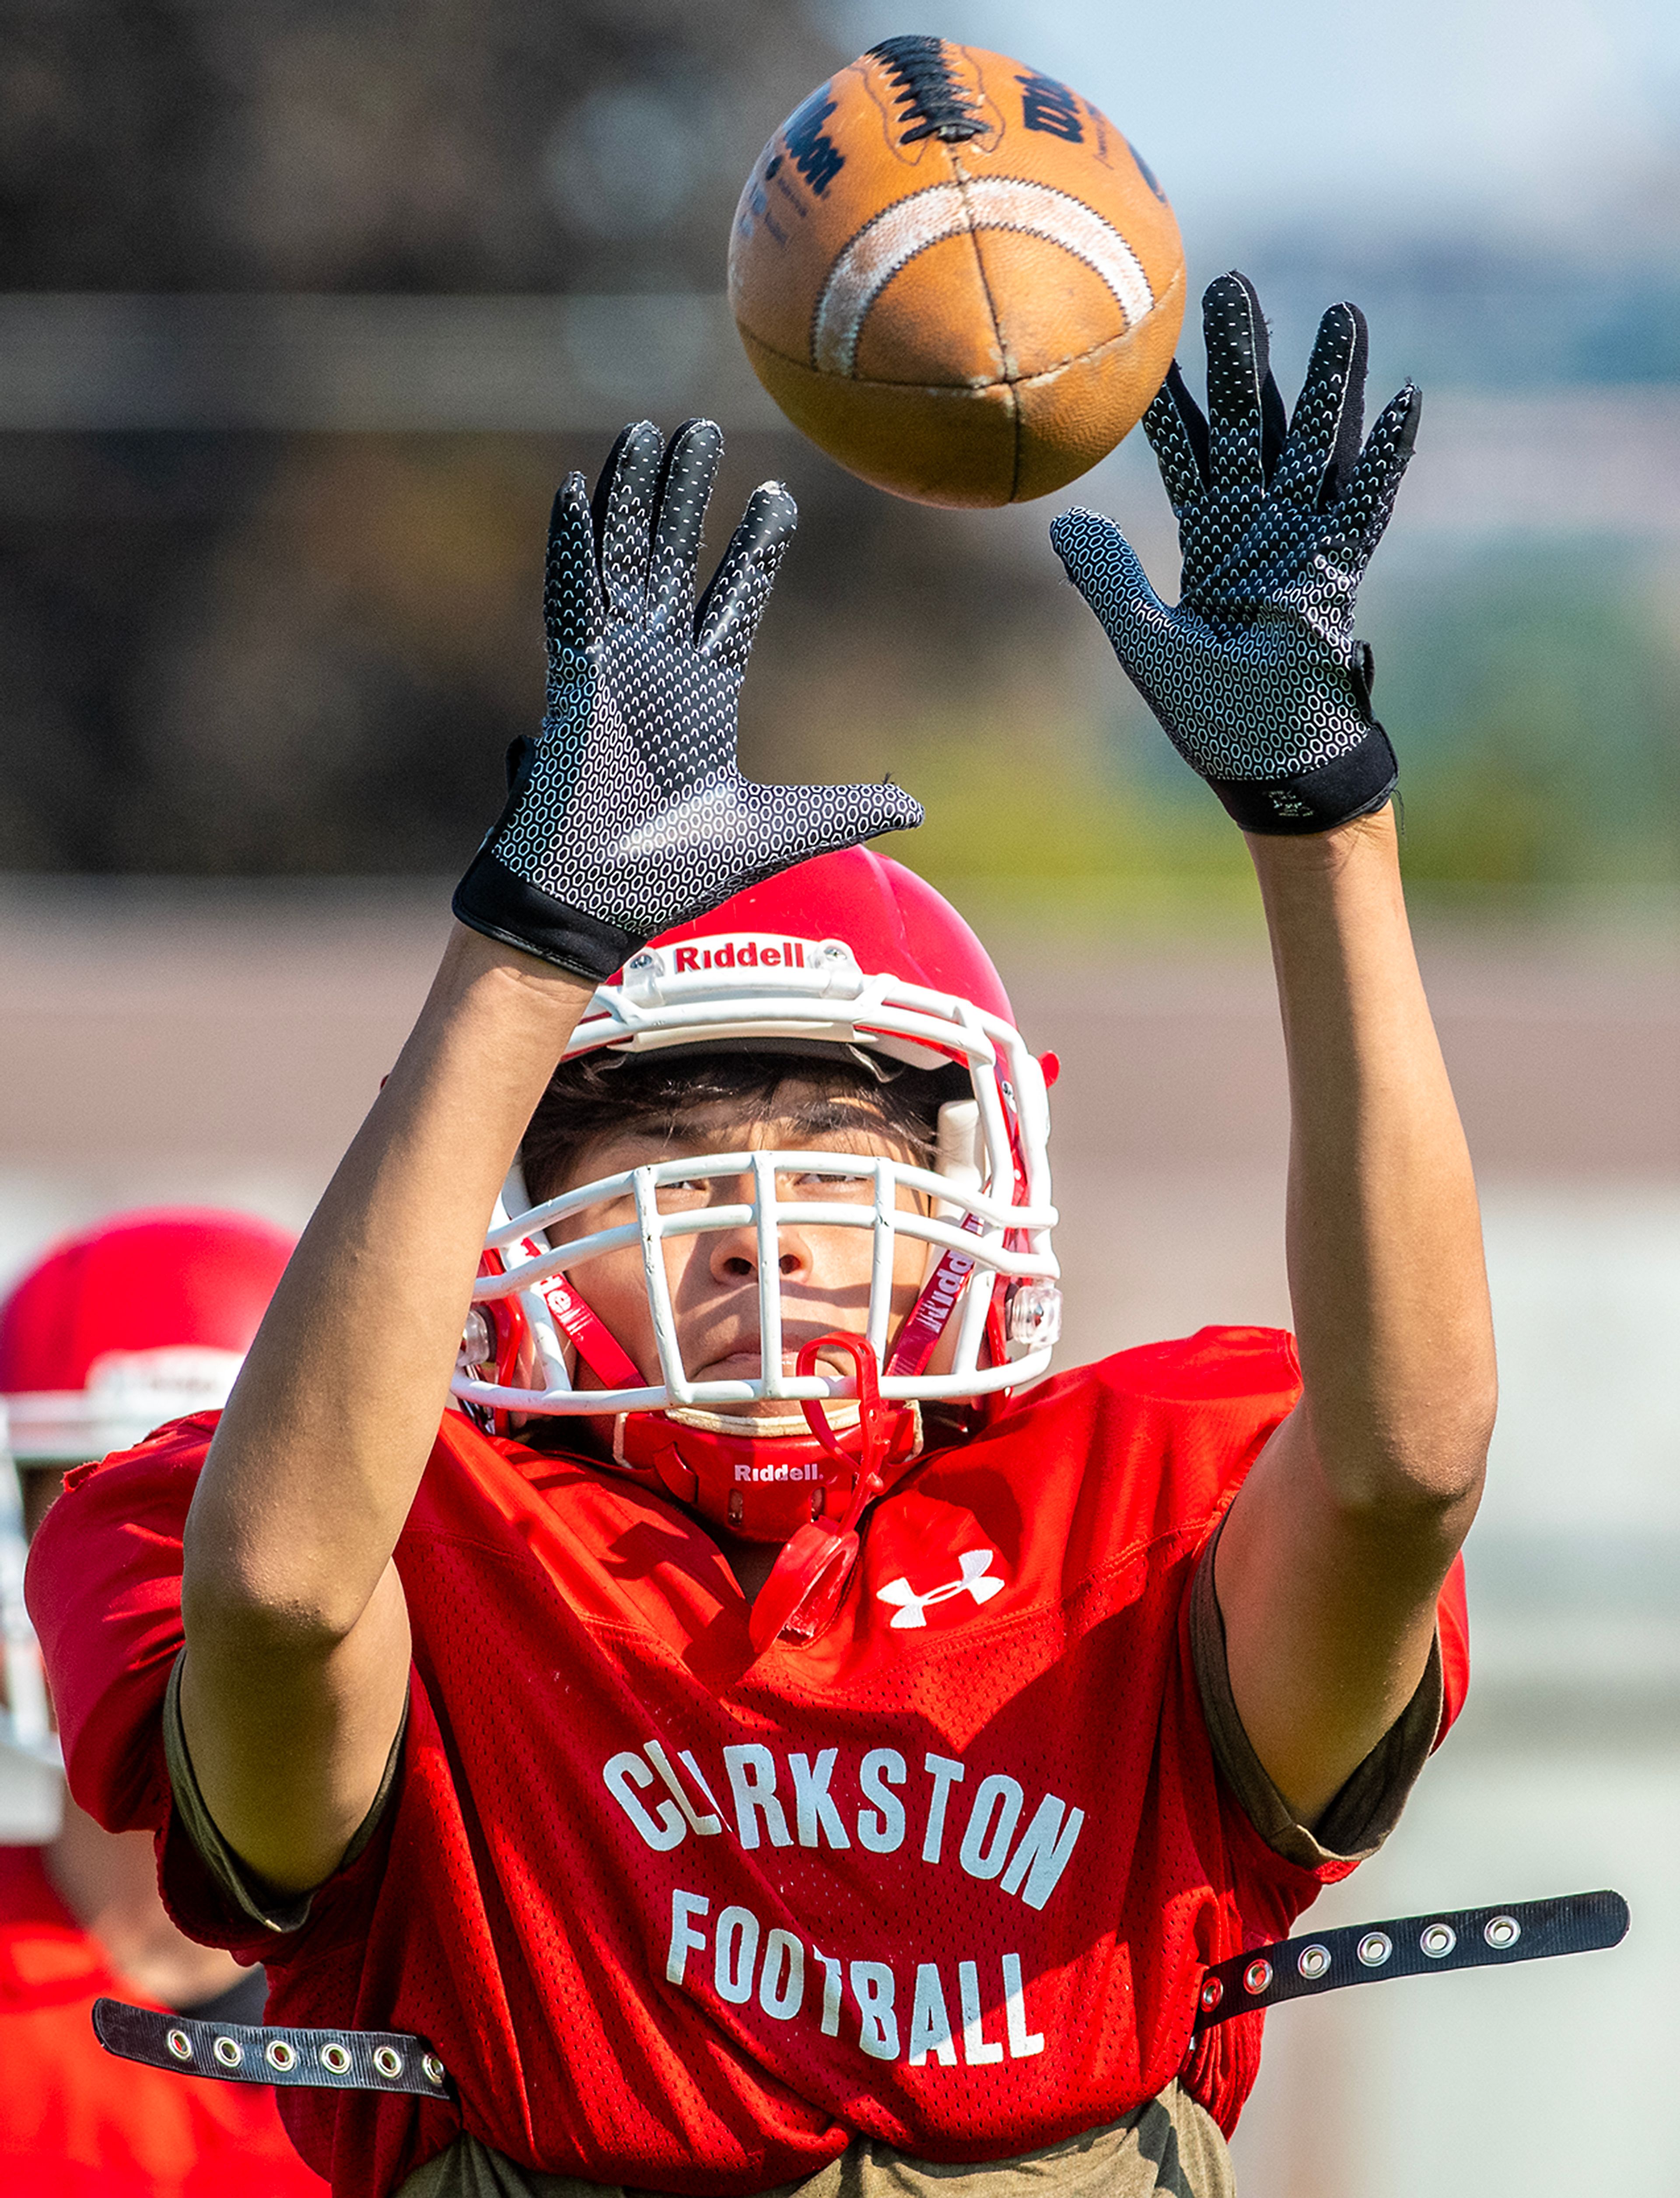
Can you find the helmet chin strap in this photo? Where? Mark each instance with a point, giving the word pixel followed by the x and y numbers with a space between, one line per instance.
pixel 930 1316
pixel 804 1589
pixel 801 1596
pixel 594 1342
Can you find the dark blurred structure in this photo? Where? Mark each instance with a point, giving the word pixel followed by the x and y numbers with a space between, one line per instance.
pixel 308 654
pixel 259 652
pixel 421 145
pixel 305 308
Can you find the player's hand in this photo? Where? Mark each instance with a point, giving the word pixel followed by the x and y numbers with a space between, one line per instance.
pixel 1256 675
pixel 628 813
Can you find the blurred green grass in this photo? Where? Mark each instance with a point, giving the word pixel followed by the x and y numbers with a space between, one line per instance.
pixel 1533 697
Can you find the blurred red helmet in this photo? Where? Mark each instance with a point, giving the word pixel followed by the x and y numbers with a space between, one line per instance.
pixel 141 1319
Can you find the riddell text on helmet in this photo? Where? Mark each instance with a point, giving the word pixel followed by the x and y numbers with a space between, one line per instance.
pixel 896 2014
pixel 733 954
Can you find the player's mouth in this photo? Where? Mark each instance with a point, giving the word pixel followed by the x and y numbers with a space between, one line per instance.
pixel 747 1365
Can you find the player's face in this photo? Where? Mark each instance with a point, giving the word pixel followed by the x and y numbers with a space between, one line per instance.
pixel 714 1277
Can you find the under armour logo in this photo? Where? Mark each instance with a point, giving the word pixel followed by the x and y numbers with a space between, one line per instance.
pixel 976 1581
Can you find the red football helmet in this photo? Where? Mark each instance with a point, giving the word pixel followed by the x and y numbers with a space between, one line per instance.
pixel 138 1320
pixel 852 953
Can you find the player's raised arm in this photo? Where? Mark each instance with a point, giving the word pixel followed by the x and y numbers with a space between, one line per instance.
pixel 1336 1547
pixel 626 814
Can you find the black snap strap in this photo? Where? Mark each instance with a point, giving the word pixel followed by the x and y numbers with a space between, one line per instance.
pixel 1410 1946
pixel 1290 1969
pixel 251 2053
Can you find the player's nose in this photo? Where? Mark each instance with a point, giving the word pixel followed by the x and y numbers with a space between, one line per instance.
pixel 736 1255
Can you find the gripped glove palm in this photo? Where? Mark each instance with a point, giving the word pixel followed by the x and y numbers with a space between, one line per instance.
pixel 628 813
pixel 1255 675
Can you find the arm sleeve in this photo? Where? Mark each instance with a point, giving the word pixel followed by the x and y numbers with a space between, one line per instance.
pixel 240 1887
pixel 1367 1808
pixel 104 1594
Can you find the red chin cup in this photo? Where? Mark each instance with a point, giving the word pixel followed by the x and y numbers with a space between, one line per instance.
pixel 764 1487
pixel 803 1590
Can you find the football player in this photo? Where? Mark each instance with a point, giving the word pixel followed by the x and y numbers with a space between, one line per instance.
pixel 139 1319
pixel 761 1732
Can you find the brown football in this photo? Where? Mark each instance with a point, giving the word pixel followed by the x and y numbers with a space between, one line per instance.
pixel 956 275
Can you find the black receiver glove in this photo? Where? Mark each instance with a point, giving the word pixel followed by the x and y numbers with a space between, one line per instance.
pixel 1256 675
pixel 628 813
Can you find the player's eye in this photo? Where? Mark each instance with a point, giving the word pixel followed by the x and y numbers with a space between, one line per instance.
pixel 605 1213
pixel 829 1187
pixel 683 1196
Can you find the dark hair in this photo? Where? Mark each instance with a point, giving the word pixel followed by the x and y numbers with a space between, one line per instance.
pixel 610 1092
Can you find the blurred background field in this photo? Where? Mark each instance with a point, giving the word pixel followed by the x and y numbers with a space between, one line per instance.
pixel 305 311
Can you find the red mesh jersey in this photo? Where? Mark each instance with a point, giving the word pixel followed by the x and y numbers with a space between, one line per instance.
pixel 680 1920
pixel 76 2124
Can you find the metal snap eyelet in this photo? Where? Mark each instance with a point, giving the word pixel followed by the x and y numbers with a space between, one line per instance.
pixel 229 2051
pixel 1437 1941
pixel 1256 1977
pixel 280 2053
pixel 334 2057
pixel 1501 1932
pixel 433 2067
pixel 1211 1994
pixel 1374 1948
pixel 388 2062
pixel 179 2045
pixel 1314 1962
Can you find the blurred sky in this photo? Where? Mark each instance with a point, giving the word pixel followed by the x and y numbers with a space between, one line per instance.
pixel 1555 122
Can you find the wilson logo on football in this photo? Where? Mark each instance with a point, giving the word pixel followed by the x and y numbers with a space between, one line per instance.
pixel 977 1579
